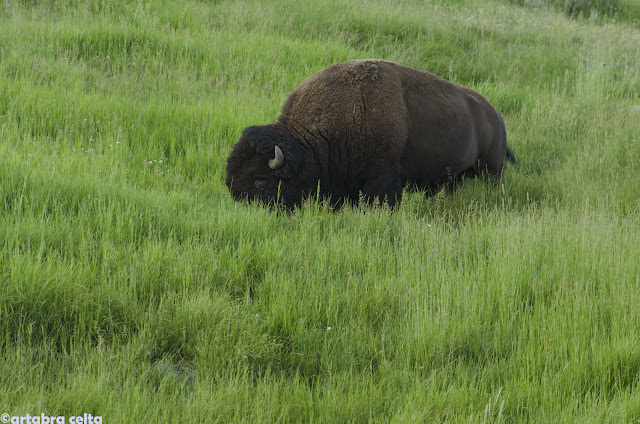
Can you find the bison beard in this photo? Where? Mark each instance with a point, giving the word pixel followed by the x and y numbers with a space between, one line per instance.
pixel 368 128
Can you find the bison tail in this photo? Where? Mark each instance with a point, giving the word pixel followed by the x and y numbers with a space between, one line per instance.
pixel 510 156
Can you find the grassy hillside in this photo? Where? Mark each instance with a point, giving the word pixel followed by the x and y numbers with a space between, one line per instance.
pixel 132 287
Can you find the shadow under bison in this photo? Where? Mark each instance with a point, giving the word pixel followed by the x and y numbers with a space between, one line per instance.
pixel 368 128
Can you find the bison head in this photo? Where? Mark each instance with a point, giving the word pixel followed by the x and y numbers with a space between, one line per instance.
pixel 265 165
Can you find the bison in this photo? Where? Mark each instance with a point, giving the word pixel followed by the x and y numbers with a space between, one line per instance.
pixel 366 129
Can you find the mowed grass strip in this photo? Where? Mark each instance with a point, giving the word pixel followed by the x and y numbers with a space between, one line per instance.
pixel 132 287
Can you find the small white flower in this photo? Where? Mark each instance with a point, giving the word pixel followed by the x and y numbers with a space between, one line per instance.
pixel 328 328
pixel 150 162
pixel 110 145
pixel 161 161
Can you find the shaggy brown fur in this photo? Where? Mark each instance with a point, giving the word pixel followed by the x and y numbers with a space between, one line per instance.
pixel 369 127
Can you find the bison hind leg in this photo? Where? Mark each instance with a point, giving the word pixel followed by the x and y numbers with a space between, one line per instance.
pixel 457 179
pixel 491 170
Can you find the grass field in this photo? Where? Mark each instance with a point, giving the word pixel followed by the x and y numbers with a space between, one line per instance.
pixel 133 288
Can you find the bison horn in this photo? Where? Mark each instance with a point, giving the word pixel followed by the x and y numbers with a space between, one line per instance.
pixel 278 160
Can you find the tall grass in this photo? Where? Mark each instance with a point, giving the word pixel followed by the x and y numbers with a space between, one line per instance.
pixel 132 287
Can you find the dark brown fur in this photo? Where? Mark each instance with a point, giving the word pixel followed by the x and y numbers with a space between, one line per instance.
pixel 369 127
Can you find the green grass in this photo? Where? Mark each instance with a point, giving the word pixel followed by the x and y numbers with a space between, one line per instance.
pixel 621 10
pixel 132 287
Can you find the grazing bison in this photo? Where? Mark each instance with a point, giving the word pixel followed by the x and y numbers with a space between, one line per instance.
pixel 368 128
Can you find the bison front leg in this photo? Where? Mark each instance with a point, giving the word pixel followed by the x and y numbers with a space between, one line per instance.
pixel 383 189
